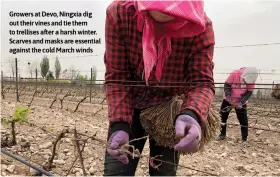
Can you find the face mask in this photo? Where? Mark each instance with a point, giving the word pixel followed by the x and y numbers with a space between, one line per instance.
pixel 250 74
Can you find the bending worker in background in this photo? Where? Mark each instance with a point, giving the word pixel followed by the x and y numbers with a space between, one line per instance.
pixel 238 88
pixel 155 42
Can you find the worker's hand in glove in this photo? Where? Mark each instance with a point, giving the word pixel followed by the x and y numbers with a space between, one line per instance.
pixel 189 131
pixel 116 141
pixel 239 105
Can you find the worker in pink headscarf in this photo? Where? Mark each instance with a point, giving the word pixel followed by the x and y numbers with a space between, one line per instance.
pixel 238 88
pixel 156 42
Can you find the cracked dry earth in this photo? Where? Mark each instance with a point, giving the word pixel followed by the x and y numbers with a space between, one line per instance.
pixel 261 157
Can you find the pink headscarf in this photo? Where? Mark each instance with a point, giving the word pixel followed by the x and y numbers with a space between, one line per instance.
pixel 190 21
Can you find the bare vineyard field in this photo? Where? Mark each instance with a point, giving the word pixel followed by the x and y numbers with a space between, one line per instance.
pixel 73 106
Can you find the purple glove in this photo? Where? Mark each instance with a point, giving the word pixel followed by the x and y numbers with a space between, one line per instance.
pixel 189 130
pixel 228 99
pixel 116 140
pixel 239 105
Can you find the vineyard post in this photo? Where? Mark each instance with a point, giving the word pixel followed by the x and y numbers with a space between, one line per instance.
pixel 90 85
pixel 270 94
pixel 36 74
pixel 17 95
pixel 47 84
pixel 2 86
pixel 12 79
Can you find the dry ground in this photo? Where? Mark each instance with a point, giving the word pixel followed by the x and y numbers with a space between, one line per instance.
pixel 262 156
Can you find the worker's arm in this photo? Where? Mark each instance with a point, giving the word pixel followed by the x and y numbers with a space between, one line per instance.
pixel 246 96
pixel 199 70
pixel 117 68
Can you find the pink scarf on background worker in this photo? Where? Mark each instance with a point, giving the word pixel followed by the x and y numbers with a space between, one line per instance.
pixel 189 21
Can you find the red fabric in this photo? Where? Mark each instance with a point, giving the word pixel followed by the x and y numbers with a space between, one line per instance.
pixel 156 37
pixel 190 61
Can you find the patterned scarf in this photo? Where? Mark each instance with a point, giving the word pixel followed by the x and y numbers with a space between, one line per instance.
pixel 156 37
